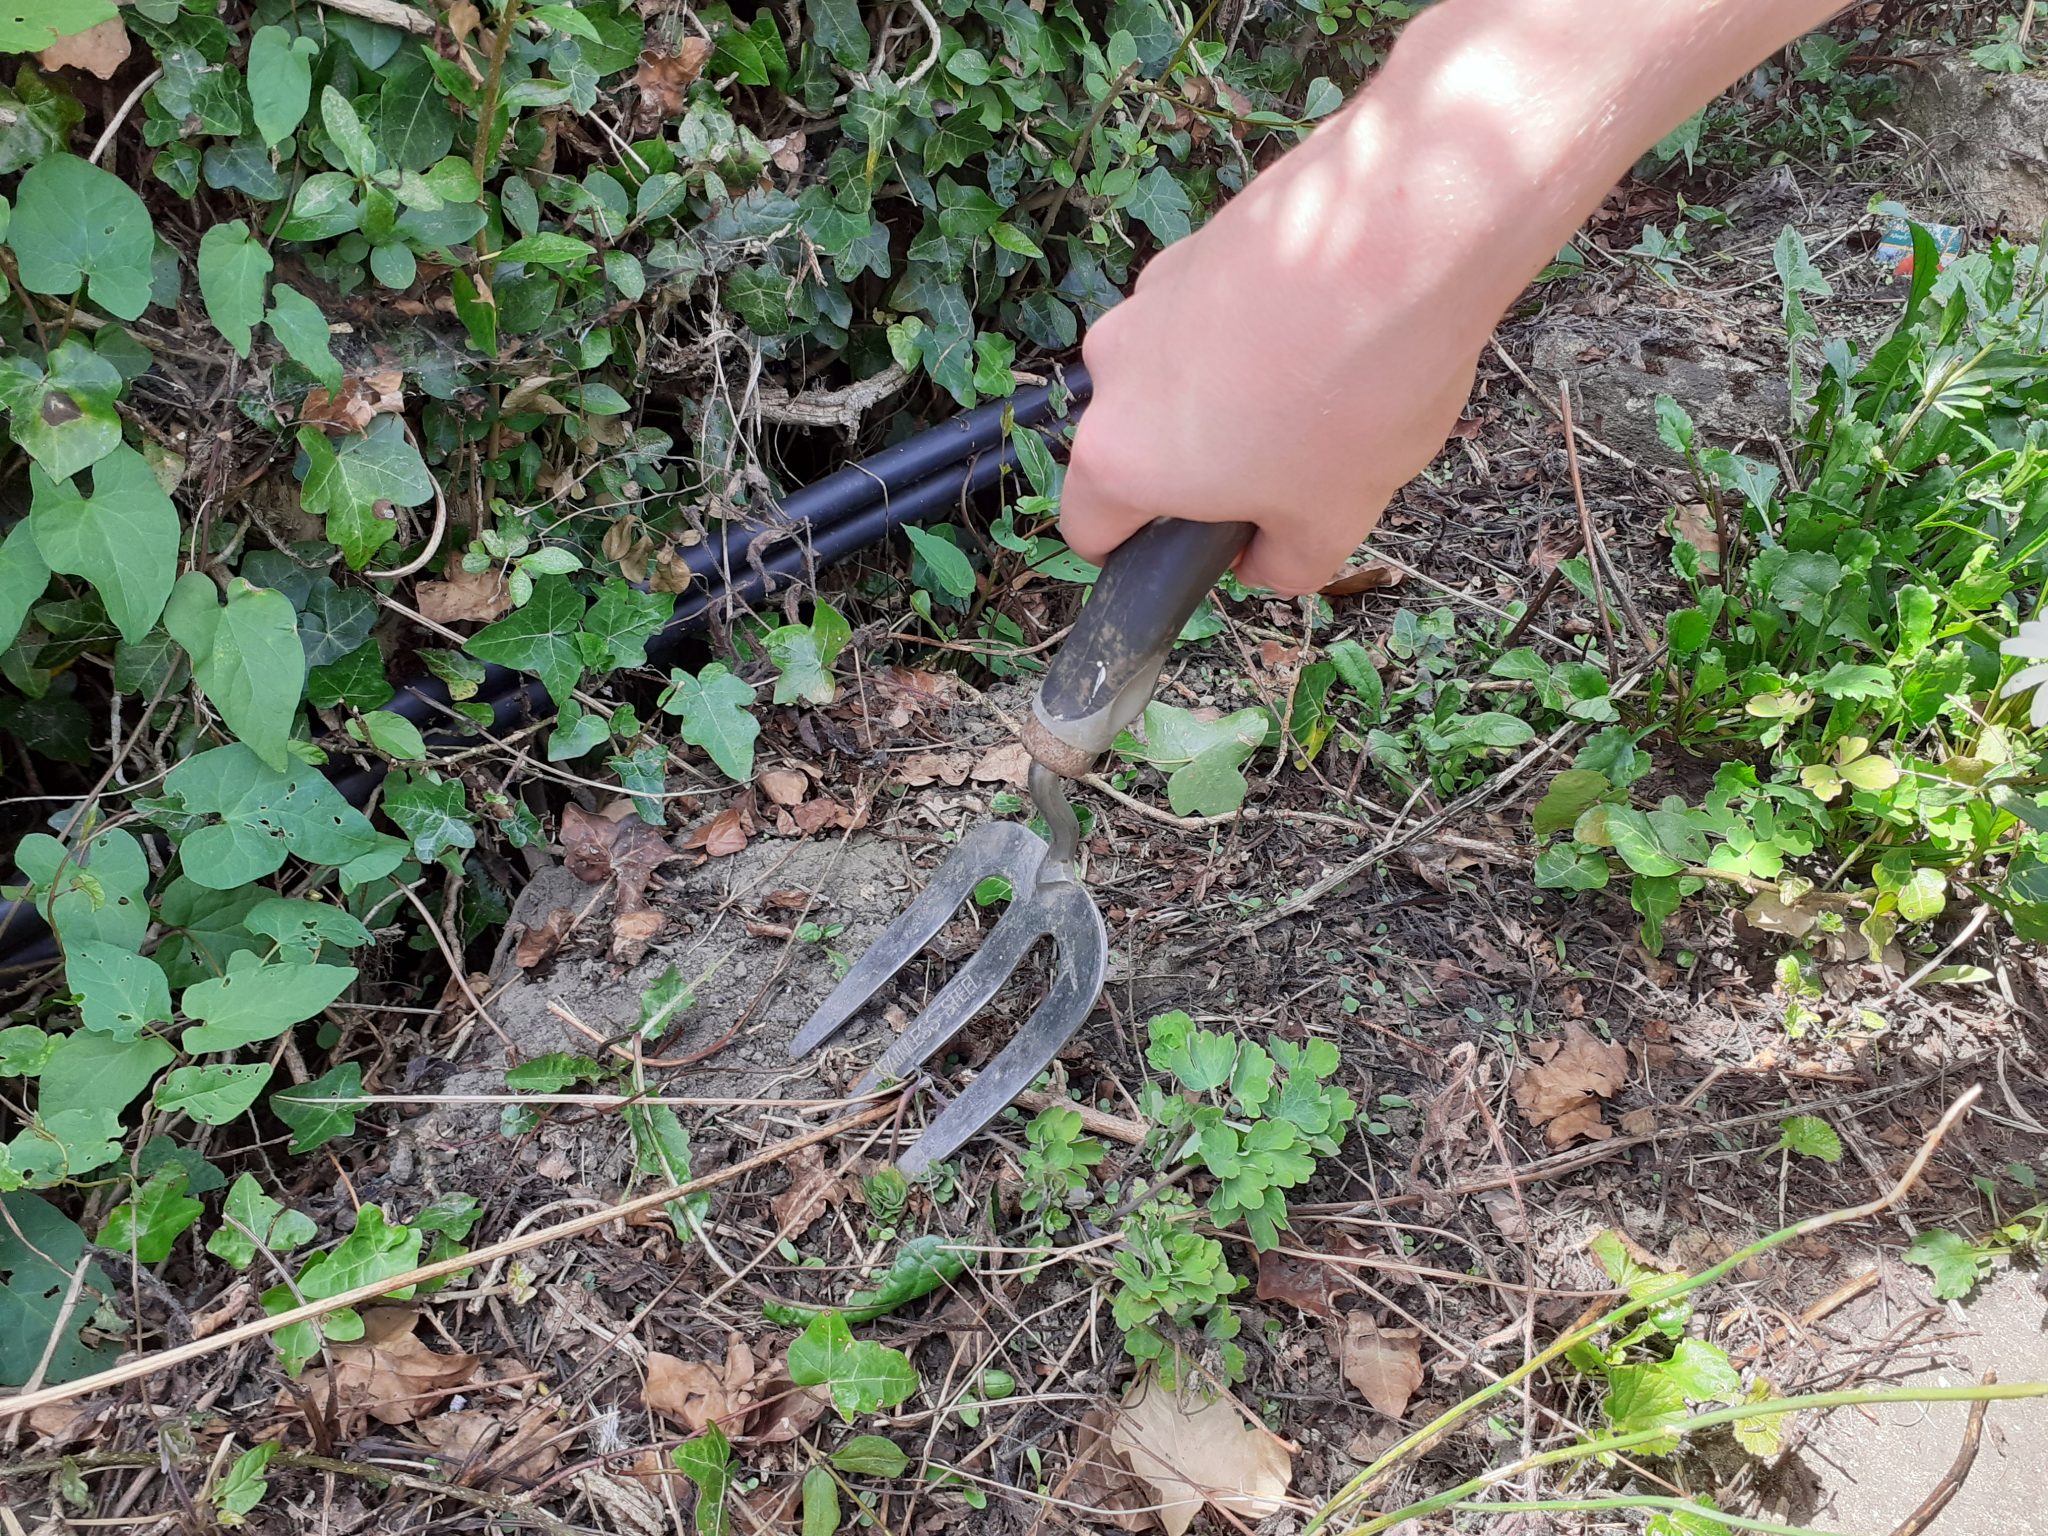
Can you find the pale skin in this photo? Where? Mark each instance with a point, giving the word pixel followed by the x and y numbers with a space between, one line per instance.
pixel 1305 354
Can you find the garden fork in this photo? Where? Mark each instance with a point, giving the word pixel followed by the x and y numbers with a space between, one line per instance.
pixel 1099 682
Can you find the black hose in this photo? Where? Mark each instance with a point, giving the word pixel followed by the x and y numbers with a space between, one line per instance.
pixel 848 510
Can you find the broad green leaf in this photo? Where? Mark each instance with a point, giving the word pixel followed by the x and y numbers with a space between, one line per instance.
pixel 716 711
pixel 212 1095
pixel 871 1456
pixel 74 223
pixel 262 814
pixel 94 892
pixel 234 275
pixel 344 484
pixel 1923 895
pixel 64 419
pixel 149 1221
pixel 257 1000
pixel 1703 1372
pixel 540 638
pixel 433 812
pixel 921 1266
pixel 242 1487
pixel 661 1147
pixel 29 26
pixel 25 1050
pixel 946 561
pixel 298 324
pixel 1645 1397
pixel 1955 1262
pixel 40 1249
pixel 1761 1436
pixel 246 658
pixel 837 28
pixel 250 1219
pixel 1567 798
pixel 23 577
pixel 391 734
pixel 552 1073
pixel 346 130
pixel 88 1081
pixel 280 79
pixel 821 1500
pixel 123 538
pixel 300 926
pixel 356 680
pixel 315 1124
pixel 1636 842
pixel 861 1375
pixel 623 620
pixel 1323 98
pixel 1809 1136
pixel 548 250
pixel 1210 783
pixel 324 206
pixel 803 655
pixel 1570 867
pixel 374 1251
pixel 1845 680
pixel 120 992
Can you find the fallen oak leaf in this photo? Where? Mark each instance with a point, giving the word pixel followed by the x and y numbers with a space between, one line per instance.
pixel 361 399
pixel 1385 1364
pixel 1193 1452
pixel 811 1190
pixel 501 1455
pixel 1009 763
pixel 1103 1480
pixel 1560 1095
pixel 388 1374
pixel 696 1394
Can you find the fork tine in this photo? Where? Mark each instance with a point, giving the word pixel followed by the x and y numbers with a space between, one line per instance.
pixel 1079 963
pixel 963 996
pixel 993 848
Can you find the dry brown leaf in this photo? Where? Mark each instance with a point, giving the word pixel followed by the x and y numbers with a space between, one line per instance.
pixel 1364 578
pixel 1383 1363
pixel 1308 1283
pixel 363 398
pixel 586 840
pixel 785 1410
pixel 664 78
pixel 464 598
pixel 1561 1094
pixel 1774 916
pixel 811 1190
pixel 815 816
pixel 511 1448
pixel 784 786
pixel 688 1391
pixel 1006 764
pixel 388 1374
pixel 1639 1122
pixel 1103 1480
pixel 537 946
pixel 922 768
pixel 722 836
pixel 634 932
pixel 1193 1452
pixel 1695 524
pixel 99 50
pixel 637 851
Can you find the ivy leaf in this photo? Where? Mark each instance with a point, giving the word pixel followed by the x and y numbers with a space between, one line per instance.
pixel 374 1251
pixel 1809 1136
pixel 1571 867
pixel 803 655
pixel 252 1217
pixel 432 811
pixel 95 892
pixel 234 270
pixel 314 1125
pixel 707 1462
pixel 298 324
pixel 256 1000
pixel 1160 203
pixel 344 485
pixel 1210 784
pixel 149 1221
pixel 539 638
pixel 120 992
pixel 246 658
pixel 123 538
pixel 392 734
pixel 74 223
pixel 957 140
pixel 243 1485
pixel 212 1095
pixel 64 419
pixel 40 1248
pixel 622 621
pixel 861 1375
pixel 715 706
pixel 88 1081
pixel 280 78
pixel 1570 794
pixel 300 927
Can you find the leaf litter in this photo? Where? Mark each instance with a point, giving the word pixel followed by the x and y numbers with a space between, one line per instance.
pixel 1191 1452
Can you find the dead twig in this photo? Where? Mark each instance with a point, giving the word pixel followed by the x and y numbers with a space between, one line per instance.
pixel 1952 1480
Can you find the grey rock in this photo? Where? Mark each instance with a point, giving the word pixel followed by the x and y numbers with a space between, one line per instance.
pixel 1987 135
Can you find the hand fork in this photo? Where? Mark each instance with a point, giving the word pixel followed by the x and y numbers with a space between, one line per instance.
pixel 1099 682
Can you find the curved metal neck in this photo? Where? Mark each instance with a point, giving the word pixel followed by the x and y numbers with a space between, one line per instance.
pixel 1062 825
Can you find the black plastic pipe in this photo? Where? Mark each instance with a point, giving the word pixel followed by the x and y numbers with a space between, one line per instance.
pixel 847 511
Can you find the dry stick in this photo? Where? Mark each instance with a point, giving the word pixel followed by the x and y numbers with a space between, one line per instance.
pixel 1571 457
pixel 164 1360
pixel 1355 1492
pixel 1952 1480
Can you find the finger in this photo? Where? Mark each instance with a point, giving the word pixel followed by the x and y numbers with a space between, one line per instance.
pixel 1093 519
pixel 1290 566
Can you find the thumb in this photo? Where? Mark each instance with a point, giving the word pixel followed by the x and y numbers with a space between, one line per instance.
pixel 1093 519
pixel 1289 566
